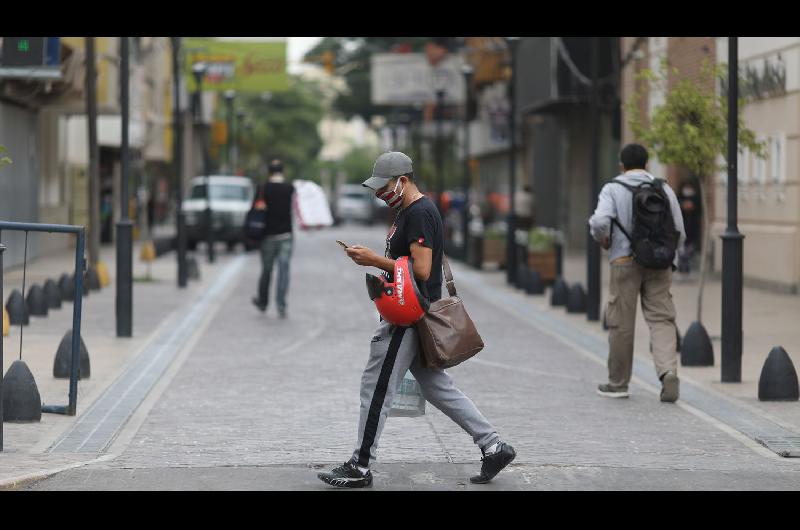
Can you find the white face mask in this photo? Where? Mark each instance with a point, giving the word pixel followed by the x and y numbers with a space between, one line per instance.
pixel 392 198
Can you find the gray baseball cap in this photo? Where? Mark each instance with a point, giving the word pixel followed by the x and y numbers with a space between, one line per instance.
pixel 388 165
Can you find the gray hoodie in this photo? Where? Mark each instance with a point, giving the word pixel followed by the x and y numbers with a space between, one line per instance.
pixel 616 201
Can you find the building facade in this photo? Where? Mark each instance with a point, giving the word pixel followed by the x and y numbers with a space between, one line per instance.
pixel 768 188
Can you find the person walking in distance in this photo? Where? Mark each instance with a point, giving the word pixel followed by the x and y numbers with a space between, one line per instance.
pixel 638 220
pixel 278 242
pixel 416 232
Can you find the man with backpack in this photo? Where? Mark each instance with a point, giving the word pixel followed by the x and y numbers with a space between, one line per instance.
pixel 638 220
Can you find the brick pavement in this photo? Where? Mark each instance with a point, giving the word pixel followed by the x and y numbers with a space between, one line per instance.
pixel 258 399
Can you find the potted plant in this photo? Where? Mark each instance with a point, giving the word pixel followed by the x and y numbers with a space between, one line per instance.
pixel 494 246
pixel 542 252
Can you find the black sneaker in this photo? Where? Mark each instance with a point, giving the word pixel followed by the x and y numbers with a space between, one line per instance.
pixel 494 462
pixel 347 476
pixel 261 307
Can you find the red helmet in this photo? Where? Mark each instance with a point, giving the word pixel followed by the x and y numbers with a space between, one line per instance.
pixel 399 302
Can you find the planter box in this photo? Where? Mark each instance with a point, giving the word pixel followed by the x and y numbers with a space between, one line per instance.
pixel 494 251
pixel 544 262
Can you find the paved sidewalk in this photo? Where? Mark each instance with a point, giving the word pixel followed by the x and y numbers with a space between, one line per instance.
pixel 769 319
pixel 25 444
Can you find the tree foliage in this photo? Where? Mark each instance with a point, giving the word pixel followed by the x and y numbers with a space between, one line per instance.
pixel 282 125
pixel 352 62
pixel 691 128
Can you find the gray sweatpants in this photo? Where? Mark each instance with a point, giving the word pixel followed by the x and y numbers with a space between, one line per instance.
pixel 394 349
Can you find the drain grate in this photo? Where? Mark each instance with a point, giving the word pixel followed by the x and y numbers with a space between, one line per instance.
pixel 786 446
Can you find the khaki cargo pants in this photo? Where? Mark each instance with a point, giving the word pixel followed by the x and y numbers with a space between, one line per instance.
pixel 628 280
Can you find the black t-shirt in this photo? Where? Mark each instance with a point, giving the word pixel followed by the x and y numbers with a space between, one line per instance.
pixel 278 196
pixel 419 222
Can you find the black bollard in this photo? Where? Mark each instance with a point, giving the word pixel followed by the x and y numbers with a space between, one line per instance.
pixel 63 360
pixel 559 293
pixel 67 288
pixel 21 400
pixel 17 309
pixel 192 270
pixel 52 294
pixel 778 381
pixel 522 276
pixel 92 279
pixel 37 303
pixel 576 301
pixel 535 284
pixel 696 349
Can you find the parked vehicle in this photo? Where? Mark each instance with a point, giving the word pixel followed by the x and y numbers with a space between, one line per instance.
pixel 354 202
pixel 231 197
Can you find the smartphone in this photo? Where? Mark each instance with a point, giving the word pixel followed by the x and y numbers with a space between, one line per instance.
pixel 344 245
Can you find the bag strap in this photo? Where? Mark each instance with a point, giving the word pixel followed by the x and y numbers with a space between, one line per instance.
pixel 448 276
pixel 614 221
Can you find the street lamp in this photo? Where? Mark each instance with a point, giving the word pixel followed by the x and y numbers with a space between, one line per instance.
pixel 180 217
pixel 124 295
pixel 229 96
pixel 237 145
pixel 732 239
pixel 199 70
pixel 592 248
pixel 469 73
pixel 511 244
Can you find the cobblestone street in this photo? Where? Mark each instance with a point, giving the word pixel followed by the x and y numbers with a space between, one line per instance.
pixel 255 402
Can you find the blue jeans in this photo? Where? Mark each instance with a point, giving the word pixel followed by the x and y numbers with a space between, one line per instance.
pixel 273 247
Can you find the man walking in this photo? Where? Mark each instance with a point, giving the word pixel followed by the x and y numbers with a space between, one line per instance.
pixel 416 232
pixel 277 244
pixel 643 252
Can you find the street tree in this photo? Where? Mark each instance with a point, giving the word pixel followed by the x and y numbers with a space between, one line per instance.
pixel 281 125
pixel 690 130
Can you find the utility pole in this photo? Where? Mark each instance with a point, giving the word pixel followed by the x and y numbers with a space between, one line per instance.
pixel 124 300
pixel 732 240
pixel 94 168
pixel 592 248
pixel 177 127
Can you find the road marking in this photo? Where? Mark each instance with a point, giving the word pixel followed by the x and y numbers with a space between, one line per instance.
pixel 97 428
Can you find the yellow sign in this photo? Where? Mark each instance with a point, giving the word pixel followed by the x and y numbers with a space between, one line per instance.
pixel 238 65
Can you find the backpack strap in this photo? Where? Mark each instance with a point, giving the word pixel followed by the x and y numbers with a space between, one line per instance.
pixel 628 186
pixel 615 221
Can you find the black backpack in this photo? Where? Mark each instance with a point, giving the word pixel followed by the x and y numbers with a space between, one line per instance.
pixel 255 222
pixel 654 239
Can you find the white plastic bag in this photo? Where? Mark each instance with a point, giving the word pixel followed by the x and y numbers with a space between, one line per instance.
pixel 408 400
